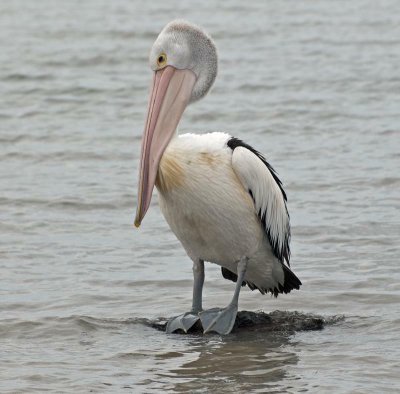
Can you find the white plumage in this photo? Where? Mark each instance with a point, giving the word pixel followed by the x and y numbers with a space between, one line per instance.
pixel 212 213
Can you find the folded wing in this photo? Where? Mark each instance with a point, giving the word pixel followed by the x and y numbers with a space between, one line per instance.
pixel 264 186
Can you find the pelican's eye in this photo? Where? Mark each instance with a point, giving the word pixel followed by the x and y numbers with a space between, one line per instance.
pixel 162 60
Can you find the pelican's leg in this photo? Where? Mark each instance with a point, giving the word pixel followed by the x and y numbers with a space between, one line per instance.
pixel 222 320
pixel 187 320
pixel 198 276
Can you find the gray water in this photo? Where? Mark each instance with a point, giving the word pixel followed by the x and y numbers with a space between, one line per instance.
pixel 315 85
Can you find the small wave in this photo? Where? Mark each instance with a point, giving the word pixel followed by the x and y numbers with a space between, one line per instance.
pixel 389 181
pixel 127 34
pixel 13 139
pixel 71 91
pixel 54 325
pixel 63 156
pixel 5 116
pixel 80 62
pixel 81 205
pixel 249 87
pixel 27 77
pixel 64 204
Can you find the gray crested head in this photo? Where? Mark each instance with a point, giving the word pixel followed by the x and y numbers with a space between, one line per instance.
pixel 186 46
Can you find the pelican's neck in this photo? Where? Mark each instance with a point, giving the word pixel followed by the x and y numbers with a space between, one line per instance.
pixel 170 172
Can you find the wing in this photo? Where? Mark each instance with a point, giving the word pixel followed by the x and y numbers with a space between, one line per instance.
pixel 265 188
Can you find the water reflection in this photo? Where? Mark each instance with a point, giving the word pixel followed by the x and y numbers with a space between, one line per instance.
pixel 255 356
pixel 253 359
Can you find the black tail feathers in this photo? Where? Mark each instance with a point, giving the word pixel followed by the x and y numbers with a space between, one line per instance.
pixel 290 282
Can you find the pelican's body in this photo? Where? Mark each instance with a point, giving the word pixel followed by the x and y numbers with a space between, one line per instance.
pixel 209 210
pixel 221 198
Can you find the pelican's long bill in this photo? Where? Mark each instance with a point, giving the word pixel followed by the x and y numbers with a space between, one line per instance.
pixel 170 94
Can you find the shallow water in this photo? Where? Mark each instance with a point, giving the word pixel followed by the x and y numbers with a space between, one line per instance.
pixel 313 85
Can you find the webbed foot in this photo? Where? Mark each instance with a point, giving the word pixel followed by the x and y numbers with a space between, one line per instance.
pixel 220 320
pixel 182 322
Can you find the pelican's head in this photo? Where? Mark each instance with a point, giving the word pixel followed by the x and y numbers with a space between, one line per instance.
pixel 184 61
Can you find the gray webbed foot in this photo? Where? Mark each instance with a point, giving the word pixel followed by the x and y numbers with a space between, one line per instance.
pixel 220 320
pixel 182 322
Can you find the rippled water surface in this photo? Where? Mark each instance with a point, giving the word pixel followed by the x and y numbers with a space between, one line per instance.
pixel 314 85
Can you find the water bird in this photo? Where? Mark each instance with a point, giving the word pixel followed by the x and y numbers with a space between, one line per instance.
pixel 220 197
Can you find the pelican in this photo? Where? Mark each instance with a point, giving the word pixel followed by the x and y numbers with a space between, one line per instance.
pixel 220 197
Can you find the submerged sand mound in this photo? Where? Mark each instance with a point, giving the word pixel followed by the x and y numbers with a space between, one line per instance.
pixel 277 321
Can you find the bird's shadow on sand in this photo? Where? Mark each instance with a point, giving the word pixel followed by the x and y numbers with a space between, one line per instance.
pixel 278 321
